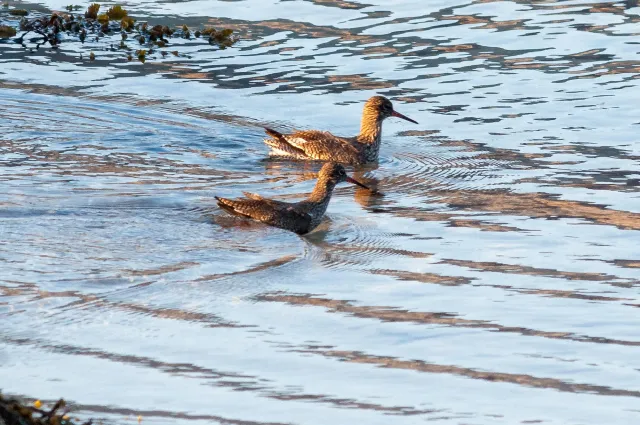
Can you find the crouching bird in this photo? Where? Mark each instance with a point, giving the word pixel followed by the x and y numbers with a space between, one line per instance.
pixel 300 217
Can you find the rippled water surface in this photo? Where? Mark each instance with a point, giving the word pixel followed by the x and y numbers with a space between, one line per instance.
pixel 496 281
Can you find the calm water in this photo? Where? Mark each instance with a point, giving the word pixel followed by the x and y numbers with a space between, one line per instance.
pixel 495 282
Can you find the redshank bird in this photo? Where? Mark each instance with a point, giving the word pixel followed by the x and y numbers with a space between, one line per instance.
pixel 324 146
pixel 300 217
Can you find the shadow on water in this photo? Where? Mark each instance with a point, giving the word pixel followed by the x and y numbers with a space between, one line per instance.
pixel 498 262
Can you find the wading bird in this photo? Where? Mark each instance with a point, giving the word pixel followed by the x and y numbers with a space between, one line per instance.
pixel 324 146
pixel 300 217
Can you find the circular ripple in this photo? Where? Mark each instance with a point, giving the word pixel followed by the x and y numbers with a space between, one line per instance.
pixel 415 174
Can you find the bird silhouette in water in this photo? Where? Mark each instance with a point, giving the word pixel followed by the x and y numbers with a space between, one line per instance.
pixel 324 146
pixel 300 217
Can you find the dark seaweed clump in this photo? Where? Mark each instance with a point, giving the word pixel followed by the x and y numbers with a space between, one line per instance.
pixel 7 31
pixel 15 412
pixel 18 12
pixel 93 25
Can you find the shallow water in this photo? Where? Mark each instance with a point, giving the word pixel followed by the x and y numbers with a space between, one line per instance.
pixel 495 281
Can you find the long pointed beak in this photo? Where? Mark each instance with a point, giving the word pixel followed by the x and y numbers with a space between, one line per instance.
pixel 357 183
pixel 399 115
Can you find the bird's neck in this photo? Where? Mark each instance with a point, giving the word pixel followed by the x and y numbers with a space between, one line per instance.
pixel 370 127
pixel 322 192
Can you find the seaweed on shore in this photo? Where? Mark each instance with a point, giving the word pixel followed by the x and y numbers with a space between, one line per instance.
pixel 15 412
pixel 92 25
pixel 7 31
pixel 92 11
pixel 18 12
pixel 116 13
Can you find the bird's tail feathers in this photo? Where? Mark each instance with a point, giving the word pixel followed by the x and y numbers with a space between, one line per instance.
pixel 228 206
pixel 274 134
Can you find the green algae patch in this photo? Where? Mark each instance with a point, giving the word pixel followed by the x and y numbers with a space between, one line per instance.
pixel 127 23
pixel 92 11
pixel 7 32
pixel 103 18
pixel 117 13
pixel 223 38
pixel 142 55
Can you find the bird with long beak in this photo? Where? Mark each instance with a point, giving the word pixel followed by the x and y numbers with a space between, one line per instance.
pixel 300 217
pixel 324 146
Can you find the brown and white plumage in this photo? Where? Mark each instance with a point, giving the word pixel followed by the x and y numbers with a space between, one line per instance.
pixel 300 217
pixel 324 146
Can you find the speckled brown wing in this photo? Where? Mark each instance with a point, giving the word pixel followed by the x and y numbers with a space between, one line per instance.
pixel 322 145
pixel 274 213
